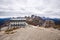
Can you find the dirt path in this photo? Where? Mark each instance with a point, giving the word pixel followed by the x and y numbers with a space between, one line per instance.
pixel 33 34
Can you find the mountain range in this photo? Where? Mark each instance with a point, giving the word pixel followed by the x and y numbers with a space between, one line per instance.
pixel 4 20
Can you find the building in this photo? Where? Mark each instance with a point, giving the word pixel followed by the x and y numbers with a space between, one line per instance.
pixel 17 22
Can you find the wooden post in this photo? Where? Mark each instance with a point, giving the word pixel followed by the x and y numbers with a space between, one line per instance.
pixel 0 28
pixel 8 27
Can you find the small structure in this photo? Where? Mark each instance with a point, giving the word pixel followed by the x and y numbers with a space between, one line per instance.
pixel 17 22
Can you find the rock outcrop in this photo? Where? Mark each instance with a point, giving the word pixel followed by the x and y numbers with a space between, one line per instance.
pixel 49 23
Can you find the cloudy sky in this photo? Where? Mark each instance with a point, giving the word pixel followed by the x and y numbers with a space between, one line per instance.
pixel 47 8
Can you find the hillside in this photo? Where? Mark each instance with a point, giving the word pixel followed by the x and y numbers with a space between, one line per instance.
pixel 32 33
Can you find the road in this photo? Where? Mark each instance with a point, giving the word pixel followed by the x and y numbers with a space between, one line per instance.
pixel 30 33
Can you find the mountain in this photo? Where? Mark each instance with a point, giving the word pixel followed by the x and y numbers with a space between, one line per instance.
pixel 3 21
pixel 56 20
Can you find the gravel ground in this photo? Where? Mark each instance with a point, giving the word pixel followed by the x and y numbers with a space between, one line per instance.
pixel 33 33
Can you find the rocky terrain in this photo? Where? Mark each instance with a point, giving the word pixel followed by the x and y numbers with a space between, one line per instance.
pixel 32 33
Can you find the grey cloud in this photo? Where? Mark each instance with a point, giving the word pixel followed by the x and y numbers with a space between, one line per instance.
pixel 28 7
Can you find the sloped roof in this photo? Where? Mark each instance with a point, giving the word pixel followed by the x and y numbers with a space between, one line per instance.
pixel 18 18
